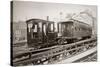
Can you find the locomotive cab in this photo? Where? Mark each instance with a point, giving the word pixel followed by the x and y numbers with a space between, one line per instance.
pixel 39 32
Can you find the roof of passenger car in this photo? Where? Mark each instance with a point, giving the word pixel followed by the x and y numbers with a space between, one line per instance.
pixel 38 21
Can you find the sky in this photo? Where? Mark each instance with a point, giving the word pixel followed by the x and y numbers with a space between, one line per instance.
pixel 24 10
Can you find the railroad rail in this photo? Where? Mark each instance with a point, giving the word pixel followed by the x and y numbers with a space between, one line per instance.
pixel 53 54
pixel 91 57
pixel 19 43
pixel 82 57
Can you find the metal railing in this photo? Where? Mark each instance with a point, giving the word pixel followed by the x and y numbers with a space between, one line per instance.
pixel 53 53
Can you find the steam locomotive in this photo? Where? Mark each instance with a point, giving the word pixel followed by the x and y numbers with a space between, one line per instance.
pixel 42 33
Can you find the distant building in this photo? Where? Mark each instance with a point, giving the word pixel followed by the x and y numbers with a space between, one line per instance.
pixel 19 31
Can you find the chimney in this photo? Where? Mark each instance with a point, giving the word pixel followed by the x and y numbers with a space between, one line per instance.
pixel 47 18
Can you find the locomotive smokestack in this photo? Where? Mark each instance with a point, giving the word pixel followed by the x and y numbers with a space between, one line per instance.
pixel 47 18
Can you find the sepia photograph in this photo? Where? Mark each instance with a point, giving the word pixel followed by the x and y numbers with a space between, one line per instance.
pixel 44 33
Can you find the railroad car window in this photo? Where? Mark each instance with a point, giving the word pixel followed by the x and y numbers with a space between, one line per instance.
pixel 44 29
pixel 35 28
pixel 59 27
pixel 29 27
pixel 56 29
pixel 78 29
pixel 72 27
pixel 51 27
pixel 63 27
pixel 68 27
pixel 75 28
pixel 40 26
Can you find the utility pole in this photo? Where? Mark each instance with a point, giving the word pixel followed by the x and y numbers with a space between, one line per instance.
pixel 60 16
pixel 47 18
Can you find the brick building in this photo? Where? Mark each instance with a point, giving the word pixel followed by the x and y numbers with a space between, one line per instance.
pixel 19 31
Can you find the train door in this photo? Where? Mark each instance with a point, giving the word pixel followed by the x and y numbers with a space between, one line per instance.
pixel 59 29
pixel 32 33
pixel 44 36
pixel 50 27
pixel 51 31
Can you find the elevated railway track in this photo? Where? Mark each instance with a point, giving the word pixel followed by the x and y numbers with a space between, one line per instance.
pixel 56 54
pixel 82 57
